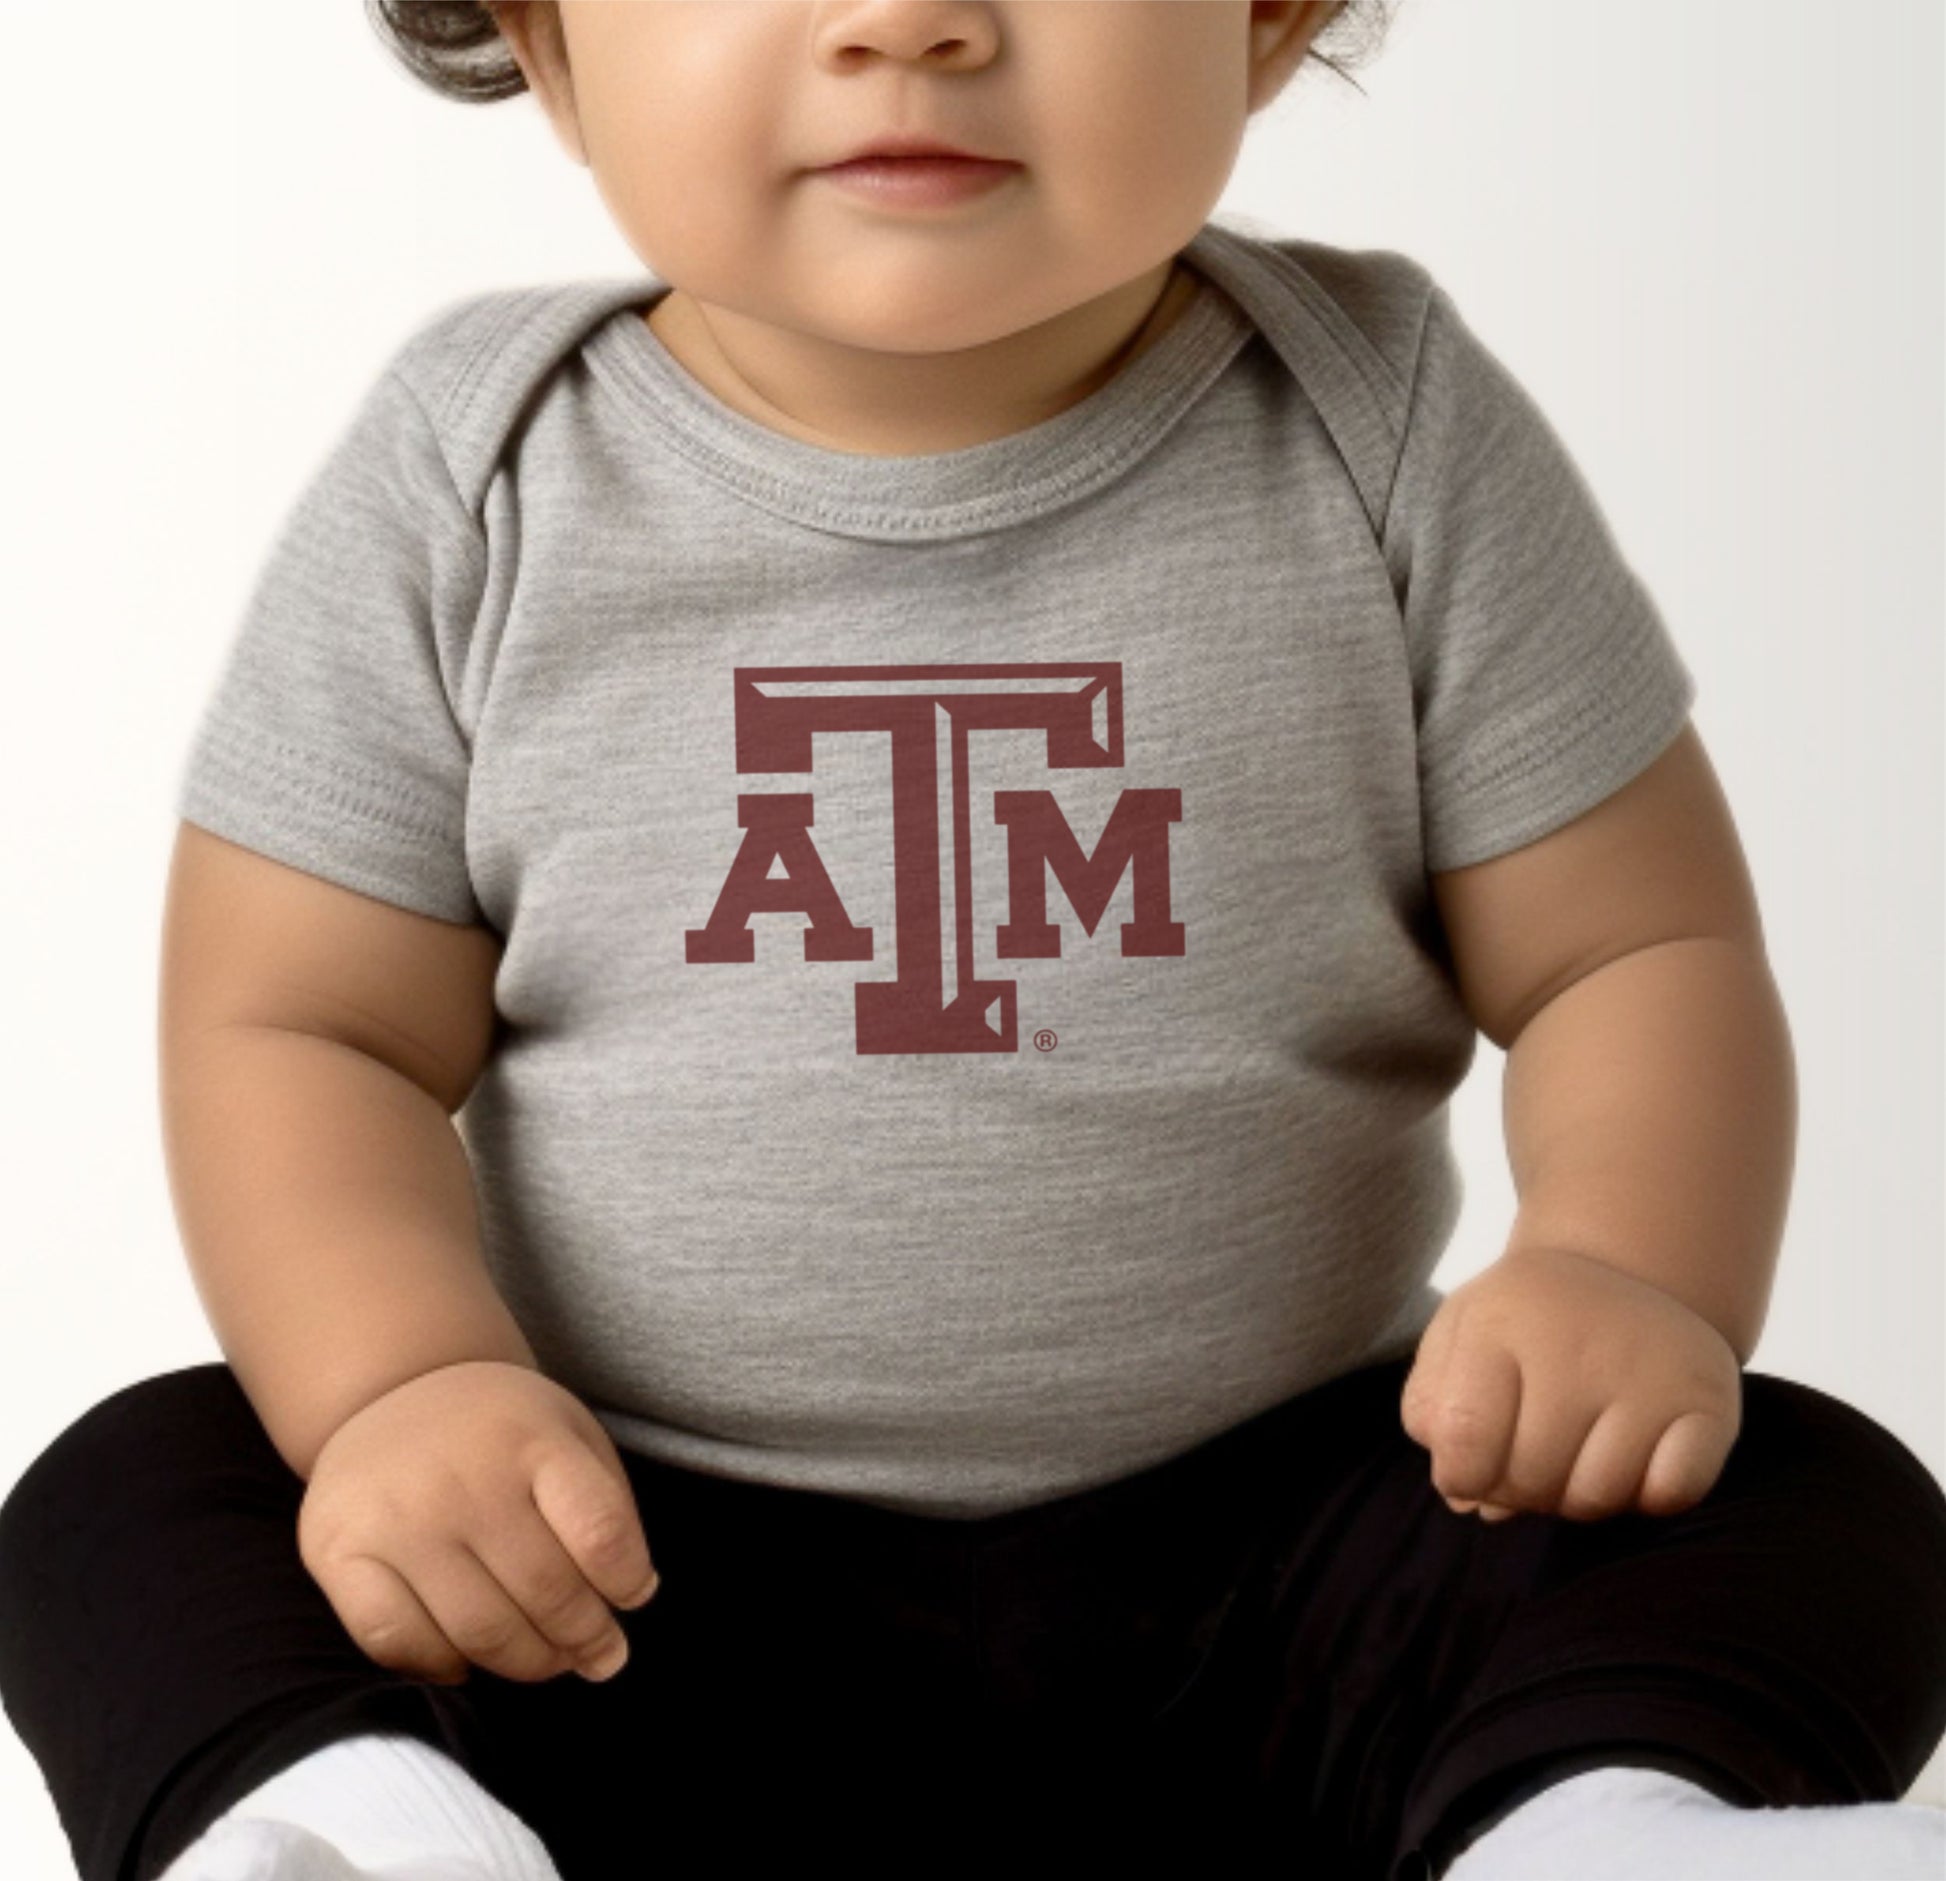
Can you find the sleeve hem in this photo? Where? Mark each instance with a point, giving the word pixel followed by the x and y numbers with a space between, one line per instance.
pixel 1548 775
pixel 285 804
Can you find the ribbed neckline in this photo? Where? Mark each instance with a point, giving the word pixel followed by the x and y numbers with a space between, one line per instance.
pixel 935 494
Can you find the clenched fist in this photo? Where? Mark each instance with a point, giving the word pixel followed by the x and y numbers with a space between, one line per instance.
pixel 1555 1383
pixel 478 1513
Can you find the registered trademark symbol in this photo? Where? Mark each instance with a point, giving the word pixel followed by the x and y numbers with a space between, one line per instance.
pixel 1044 1039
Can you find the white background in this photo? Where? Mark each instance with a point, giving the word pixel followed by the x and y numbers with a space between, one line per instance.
pixel 1708 238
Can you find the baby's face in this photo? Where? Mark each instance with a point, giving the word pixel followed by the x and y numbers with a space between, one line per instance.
pixel 706 122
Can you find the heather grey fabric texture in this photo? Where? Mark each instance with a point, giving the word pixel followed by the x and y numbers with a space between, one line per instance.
pixel 974 1019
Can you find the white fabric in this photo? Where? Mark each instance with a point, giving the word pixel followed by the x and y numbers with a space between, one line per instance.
pixel 238 1848
pixel 373 1807
pixel 1627 1824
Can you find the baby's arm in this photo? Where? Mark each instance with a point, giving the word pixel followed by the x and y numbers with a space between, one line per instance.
pixel 314 1045
pixel 1650 1104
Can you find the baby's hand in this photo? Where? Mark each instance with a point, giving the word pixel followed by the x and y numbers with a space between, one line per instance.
pixel 477 1513
pixel 1557 1384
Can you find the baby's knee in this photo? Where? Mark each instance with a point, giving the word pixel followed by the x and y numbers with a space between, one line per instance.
pixel 132 1435
pixel 1829 1451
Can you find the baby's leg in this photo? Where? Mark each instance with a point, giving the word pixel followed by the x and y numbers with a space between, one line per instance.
pixel 163 1649
pixel 1748 1687
pixel 795 1689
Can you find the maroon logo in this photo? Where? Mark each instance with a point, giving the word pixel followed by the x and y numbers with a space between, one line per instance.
pixel 931 712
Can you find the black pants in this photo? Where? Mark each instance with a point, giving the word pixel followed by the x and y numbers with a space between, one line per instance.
pixel 1279 1653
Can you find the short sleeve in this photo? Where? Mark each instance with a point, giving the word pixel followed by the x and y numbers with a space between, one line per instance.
pixel 1544 677
pixel 330 742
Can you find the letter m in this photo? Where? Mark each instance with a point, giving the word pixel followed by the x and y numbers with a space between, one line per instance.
pixel 1038 839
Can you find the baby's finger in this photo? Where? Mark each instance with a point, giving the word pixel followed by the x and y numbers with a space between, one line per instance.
pixel 526 1557
pixel 1687 1462
pixel 1473 1418
pixel 1421 1388
pixel 478 1615
pixel 1607 1471
pixel 386 1619
pixel 594 1517
pixel 1487 1511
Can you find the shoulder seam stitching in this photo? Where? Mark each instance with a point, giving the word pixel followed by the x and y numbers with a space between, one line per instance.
pixel 467 524
pixel 1411 407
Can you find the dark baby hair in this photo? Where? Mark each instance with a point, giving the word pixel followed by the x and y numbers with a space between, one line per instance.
pixel 454 46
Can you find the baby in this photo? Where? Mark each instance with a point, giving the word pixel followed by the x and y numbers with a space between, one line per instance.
pixel 820 936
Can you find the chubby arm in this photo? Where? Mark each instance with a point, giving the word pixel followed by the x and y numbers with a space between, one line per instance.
pixel 314 1045
pixel 1650 1101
